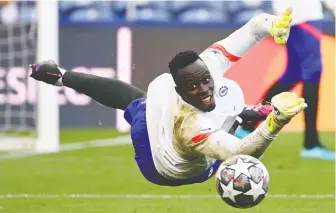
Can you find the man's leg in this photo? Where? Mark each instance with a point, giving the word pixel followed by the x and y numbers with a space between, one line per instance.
pixel 311 68
pixel 291 76
pixel 312 145
pixel 135 115
pixel 310 94
pixel 107 91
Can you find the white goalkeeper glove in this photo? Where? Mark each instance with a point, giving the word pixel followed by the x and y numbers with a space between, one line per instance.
pixel 285 106
pixel 280 27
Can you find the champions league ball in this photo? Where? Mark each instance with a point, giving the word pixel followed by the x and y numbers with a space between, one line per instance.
pixel 242 181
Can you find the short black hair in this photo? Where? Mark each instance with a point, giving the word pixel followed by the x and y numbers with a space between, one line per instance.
pixel 181 60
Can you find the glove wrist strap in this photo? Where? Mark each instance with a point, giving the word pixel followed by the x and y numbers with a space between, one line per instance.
pixel 273 124
pixel 59 81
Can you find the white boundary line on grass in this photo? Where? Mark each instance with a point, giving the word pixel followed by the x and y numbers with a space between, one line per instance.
pixel 154 196
pixel 121 140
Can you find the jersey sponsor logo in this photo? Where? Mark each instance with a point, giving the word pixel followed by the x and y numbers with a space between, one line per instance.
pixel 223 91
pixel 203 135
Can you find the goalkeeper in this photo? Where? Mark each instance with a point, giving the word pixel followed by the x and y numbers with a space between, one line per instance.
pixel 181 128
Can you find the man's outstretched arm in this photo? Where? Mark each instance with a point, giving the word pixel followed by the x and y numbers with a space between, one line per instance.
pixel 227 51
pixel 107 91
pixel 221 145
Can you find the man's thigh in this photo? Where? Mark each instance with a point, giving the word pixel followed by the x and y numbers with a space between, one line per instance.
pixel 309 51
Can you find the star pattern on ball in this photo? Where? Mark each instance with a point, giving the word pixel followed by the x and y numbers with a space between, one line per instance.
pixel 241 167
pixel 229 191
pixel 256 189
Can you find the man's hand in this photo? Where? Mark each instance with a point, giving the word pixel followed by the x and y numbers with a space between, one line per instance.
pixel 256 113
pixel 252 115
pixel 46 71
pixel 285 106
pixel 280 27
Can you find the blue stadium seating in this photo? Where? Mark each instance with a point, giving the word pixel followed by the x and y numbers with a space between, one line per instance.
pixel 162 11
pixel 157 11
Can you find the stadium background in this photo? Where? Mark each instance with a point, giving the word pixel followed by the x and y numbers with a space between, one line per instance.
pixel 195 26
pixel 103 179
pixel 88 38
pixel 152 49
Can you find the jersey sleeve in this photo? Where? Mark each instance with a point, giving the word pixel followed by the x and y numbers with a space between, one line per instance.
pixel 218 59
pixel 208 141
pixel 195 137
pixel 202 138
pixel 223 53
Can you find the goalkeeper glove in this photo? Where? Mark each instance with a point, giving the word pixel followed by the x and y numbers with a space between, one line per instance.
pixel 285 106
pixel 48 72
pixel 280 27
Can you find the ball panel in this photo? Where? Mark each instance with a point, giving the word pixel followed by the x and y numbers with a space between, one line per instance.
pixel 230 202
pixel 226 175
pixel 242 183
pixel 249 159
pixel 257 174
pixel 259 199
pixel 244 201
pixel 266 183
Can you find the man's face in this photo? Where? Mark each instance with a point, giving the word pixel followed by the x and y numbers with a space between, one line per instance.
pixel 195 85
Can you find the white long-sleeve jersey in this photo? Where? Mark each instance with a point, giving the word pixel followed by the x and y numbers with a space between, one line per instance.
pixel 173 125
pixel 185 141
pixel 303 10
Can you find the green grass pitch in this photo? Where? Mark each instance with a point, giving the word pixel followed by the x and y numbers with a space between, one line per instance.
pixel 103 180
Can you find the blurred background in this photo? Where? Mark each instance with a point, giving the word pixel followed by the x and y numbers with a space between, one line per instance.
pixel 90 31
pixel 173 12
pixel 133 41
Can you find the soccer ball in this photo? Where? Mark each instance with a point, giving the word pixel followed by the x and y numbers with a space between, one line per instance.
pixel 242 181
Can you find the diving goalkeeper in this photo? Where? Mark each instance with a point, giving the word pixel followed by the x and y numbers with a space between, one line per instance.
pixel 181 128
